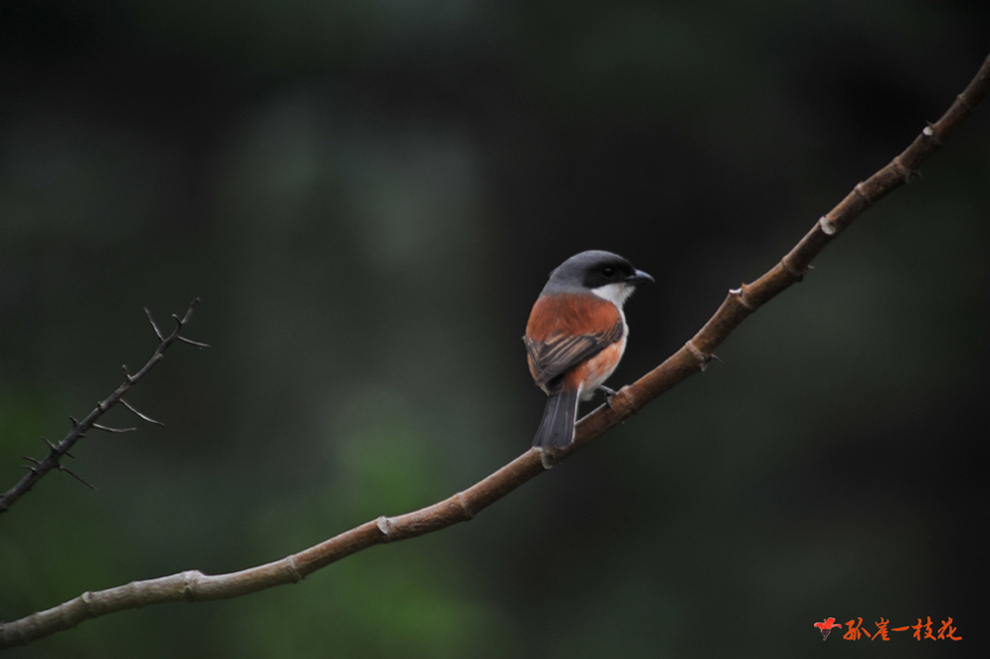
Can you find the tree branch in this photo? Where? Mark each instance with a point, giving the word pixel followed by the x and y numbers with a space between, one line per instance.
pixel 193 586
pixel 51 462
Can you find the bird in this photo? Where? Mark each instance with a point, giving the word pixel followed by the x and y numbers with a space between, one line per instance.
pixel 826 627
pixel 576 336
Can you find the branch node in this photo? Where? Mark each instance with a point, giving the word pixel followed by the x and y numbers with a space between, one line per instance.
pixel 297 575
pixel 701 357
pixel 861 192
pixel 385 526
pixel 798 275
pixel 740 295
pixel 158 332
pixel 962 99
pixel 190 579
pixel 826 225
pixel 907 174
pixel 143 416
pixel 464 506
pixel 931 132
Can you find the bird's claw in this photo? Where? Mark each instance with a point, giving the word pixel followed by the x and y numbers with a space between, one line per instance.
pixel 608 395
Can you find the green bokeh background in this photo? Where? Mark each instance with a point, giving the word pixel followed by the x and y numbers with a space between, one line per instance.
pixel 368 197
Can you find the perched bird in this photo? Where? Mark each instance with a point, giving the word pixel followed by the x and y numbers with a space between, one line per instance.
pixel 576 335
pixel 826 627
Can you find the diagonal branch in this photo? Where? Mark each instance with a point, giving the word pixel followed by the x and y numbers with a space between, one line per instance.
pixel 194 586
pixel 56 451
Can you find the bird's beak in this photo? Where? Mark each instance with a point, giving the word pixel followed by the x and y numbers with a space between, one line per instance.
pixel 639 278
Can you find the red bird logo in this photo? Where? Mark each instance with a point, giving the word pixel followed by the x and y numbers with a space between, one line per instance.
pixel 826 627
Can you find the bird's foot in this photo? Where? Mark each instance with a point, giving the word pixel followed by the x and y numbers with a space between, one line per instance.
pixel 547 458
pixel 608 395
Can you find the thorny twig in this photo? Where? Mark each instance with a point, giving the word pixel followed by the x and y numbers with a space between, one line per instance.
pixel 51 462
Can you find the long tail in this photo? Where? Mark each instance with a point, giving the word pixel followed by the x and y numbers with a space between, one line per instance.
pixel 557 427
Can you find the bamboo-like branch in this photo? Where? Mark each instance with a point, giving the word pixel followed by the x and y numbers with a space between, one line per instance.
pixel 194 586
pixel 51 462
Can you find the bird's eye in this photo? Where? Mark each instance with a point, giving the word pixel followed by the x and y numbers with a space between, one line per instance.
pixel 608 271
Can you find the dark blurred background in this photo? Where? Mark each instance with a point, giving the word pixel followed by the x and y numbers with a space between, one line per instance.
pixel 368 196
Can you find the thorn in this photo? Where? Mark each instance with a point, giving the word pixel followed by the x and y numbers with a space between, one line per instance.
pixel 143 416
pixel 178 320
pixel 191 342
pixel 50 445
pixel 716 358
pixel 127 374
pixel 109 429
pixel 76 476
pixel 151 320
pixel 75 424
pixel 30 468
pixel 30 459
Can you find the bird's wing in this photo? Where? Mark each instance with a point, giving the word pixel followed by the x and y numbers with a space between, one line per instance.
pixel 560 352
